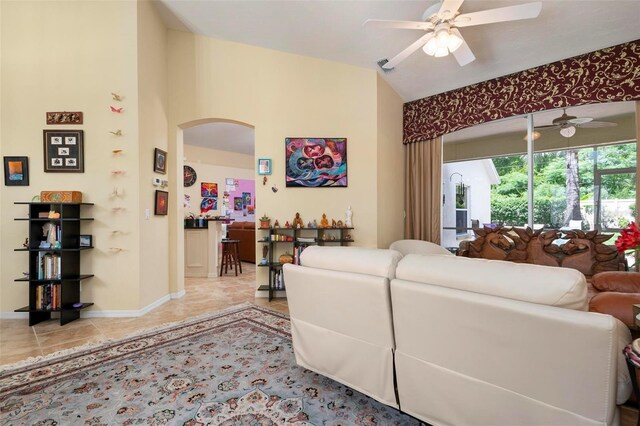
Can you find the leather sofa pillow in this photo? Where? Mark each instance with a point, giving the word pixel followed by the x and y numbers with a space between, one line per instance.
pixel 623 282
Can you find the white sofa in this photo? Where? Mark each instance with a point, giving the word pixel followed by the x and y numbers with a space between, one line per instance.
pixel 468 341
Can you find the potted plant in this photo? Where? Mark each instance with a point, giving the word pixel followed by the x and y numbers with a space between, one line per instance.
pixel 265 222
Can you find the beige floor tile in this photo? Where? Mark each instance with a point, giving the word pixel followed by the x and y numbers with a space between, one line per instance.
pixel 72 344
pixel 203 295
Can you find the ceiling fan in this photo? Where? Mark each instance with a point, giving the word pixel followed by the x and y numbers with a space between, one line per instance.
pixel 441 22
pixel 568 123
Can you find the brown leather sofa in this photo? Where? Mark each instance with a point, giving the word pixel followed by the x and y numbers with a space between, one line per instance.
pixel 245 232
pixel 611 290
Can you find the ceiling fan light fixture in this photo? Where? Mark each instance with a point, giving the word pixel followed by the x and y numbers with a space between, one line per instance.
pixel 442 38
pixel 454 42
pixel 430 47
pixel 567 132
pixel 441 51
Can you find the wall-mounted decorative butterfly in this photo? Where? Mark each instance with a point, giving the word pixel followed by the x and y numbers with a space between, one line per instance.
pixel 117 132
pixel 116 97
pixel 116 110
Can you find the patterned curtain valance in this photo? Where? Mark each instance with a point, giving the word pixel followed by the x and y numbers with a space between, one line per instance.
pixel 607 75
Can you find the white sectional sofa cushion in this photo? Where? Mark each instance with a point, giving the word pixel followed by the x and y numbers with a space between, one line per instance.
pixel 418 247
pixel 340 309
pixel 377 262
pixel 561 287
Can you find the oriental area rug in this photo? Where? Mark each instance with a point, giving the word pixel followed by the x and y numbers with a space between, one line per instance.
pixel 234 367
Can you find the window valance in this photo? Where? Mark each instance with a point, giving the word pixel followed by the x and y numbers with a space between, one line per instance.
pixel 607 75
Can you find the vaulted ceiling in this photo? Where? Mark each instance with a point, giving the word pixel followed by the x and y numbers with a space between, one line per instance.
pixel 333 30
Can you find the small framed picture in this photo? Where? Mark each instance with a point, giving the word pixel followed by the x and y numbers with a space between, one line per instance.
pixel 160 161
pixel 64 151
pixel 86 241
pixel 162 203
pixel 264 166
pixel 16 171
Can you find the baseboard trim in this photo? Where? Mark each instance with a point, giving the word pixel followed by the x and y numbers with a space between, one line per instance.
pixel 118 314
pixel 108 314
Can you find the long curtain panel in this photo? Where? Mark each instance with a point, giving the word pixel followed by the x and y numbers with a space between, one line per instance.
pixel 423 190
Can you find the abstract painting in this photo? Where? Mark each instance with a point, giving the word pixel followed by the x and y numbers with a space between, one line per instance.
pixel 208 203
pixel 316 162
pixel 237 203
pixel 208 189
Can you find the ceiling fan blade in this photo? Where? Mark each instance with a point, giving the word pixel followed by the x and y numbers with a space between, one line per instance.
pixel 408 51
pixel 463 54
pixel 580 120
pixel 449 8
pixel 596 124
pixel 406 25
pixel 502 14
pixel 549 126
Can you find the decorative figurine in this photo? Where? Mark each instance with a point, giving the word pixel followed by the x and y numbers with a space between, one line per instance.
pixel 324 223
pixel 286 225
pixel 333 223
pixel 347 237
pixel 276 224
pixel 324 237
pixel 309 225
pixel 297 222
pixel 333 238
pixel 340 224
pixel 349 214
pixel 314 225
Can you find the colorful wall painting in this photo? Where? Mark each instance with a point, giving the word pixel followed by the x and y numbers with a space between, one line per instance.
pixel 208 189
pixel 237 203
pixel 208 203
pixel 316 162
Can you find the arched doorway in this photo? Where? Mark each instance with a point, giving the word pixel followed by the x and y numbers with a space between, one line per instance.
pixel 195 145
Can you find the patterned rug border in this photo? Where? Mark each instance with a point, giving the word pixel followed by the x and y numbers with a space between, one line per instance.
pixel 35 369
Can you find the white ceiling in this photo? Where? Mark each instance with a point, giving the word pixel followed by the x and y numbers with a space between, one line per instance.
pixel 222 136
pixel 333 30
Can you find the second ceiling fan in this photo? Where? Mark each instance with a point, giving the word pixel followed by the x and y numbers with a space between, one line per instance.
pixel 441 22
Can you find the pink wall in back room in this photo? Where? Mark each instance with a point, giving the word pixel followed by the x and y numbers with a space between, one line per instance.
pixel 248 212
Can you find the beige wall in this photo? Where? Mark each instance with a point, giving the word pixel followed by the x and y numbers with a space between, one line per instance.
pixel 282 95
pixel 59 56
pixel 152 92
pixel 216 157
pixel 390 173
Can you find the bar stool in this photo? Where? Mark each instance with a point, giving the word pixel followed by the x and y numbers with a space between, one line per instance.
pixel 230 256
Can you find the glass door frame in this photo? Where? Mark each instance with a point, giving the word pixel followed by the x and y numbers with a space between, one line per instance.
pixel 597 193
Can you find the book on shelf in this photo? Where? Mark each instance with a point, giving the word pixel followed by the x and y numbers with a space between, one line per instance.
pixel 49 266
pixel 48 297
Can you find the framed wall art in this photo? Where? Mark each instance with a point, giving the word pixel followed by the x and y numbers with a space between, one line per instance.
pixel 64 151
pixel 86 240
pixel 162 203
pixel 316 162
pixel 16 171
pixel 160 161
pixel 64 117
pixel 264 166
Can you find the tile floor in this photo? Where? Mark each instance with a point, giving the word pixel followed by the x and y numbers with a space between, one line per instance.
pixel 18 341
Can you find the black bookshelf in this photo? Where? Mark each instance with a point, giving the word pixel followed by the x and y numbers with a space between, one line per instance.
pixel 65 254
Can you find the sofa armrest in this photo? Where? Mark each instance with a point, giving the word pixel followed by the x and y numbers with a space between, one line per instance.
pixel 622 282
pixel 618 305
